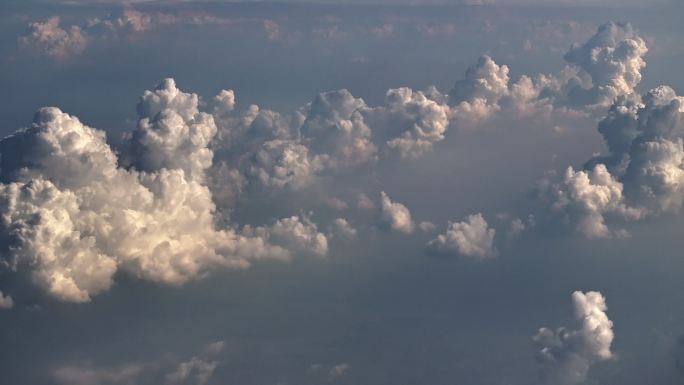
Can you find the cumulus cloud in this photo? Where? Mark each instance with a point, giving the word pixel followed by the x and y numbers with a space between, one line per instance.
pixel 341 228
pixel 599 71
pixel 73 217
pixel 394 215
pixel 47 37
pixel 471 238
pixel 419 122
pixel 613 58
pixel 567 355
pixel 50 38
pixel 582 199
pixel 335 129
pixel 297 234
pixel 640 177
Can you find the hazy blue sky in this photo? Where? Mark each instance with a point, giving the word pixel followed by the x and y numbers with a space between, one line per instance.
pixel 322 193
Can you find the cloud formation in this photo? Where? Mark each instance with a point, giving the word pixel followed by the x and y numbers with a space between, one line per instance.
pixel 567 355
pixel 394 215
pixel 73 217
pixel 471 238
pixel 47 37
pixel 640 177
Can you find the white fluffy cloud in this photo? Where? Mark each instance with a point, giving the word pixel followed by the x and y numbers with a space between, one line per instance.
pixel 73 217
pixel 581 199
pixel 394 215
pixel 297 234
pixel 419 122
pixel 641 176
pixel 566 355
pixel 613 58
pixel 471 238
pixel 602 69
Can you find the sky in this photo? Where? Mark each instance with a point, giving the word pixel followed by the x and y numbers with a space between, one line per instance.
pixel 317 193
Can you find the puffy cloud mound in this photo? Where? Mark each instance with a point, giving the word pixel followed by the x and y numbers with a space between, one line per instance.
pixel 297 234
pixel 486 80
pixel 47 37
pixel 641 176
pixel 419 120
pixel 72 216
pixel 613 58
pixel 335 129
pixel 471 238
pixel 581 199
pixel 171 132
pixel 284 163
pixel 566 355
pixel 600 70
pixel 394 215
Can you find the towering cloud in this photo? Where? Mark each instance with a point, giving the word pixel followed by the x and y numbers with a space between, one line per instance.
pixel 567 355
pixel 613 58
pixel 641 176
pixel 73 216
pixel 394 215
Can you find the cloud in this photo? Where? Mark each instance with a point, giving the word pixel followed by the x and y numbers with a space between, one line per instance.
pixel 196 370
pixel 364 202
pixel 335 129
pixel 73 217
pixel 613 58
pixel 640 177
pixel 471 238
pixel 342 229
pixel 171 133
pixel 426 226
pixel 418 121
pixel 582 199
pixel 394 215
pixel 47 37
pixel 599 71
pixel 6 301
pixel 566 355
